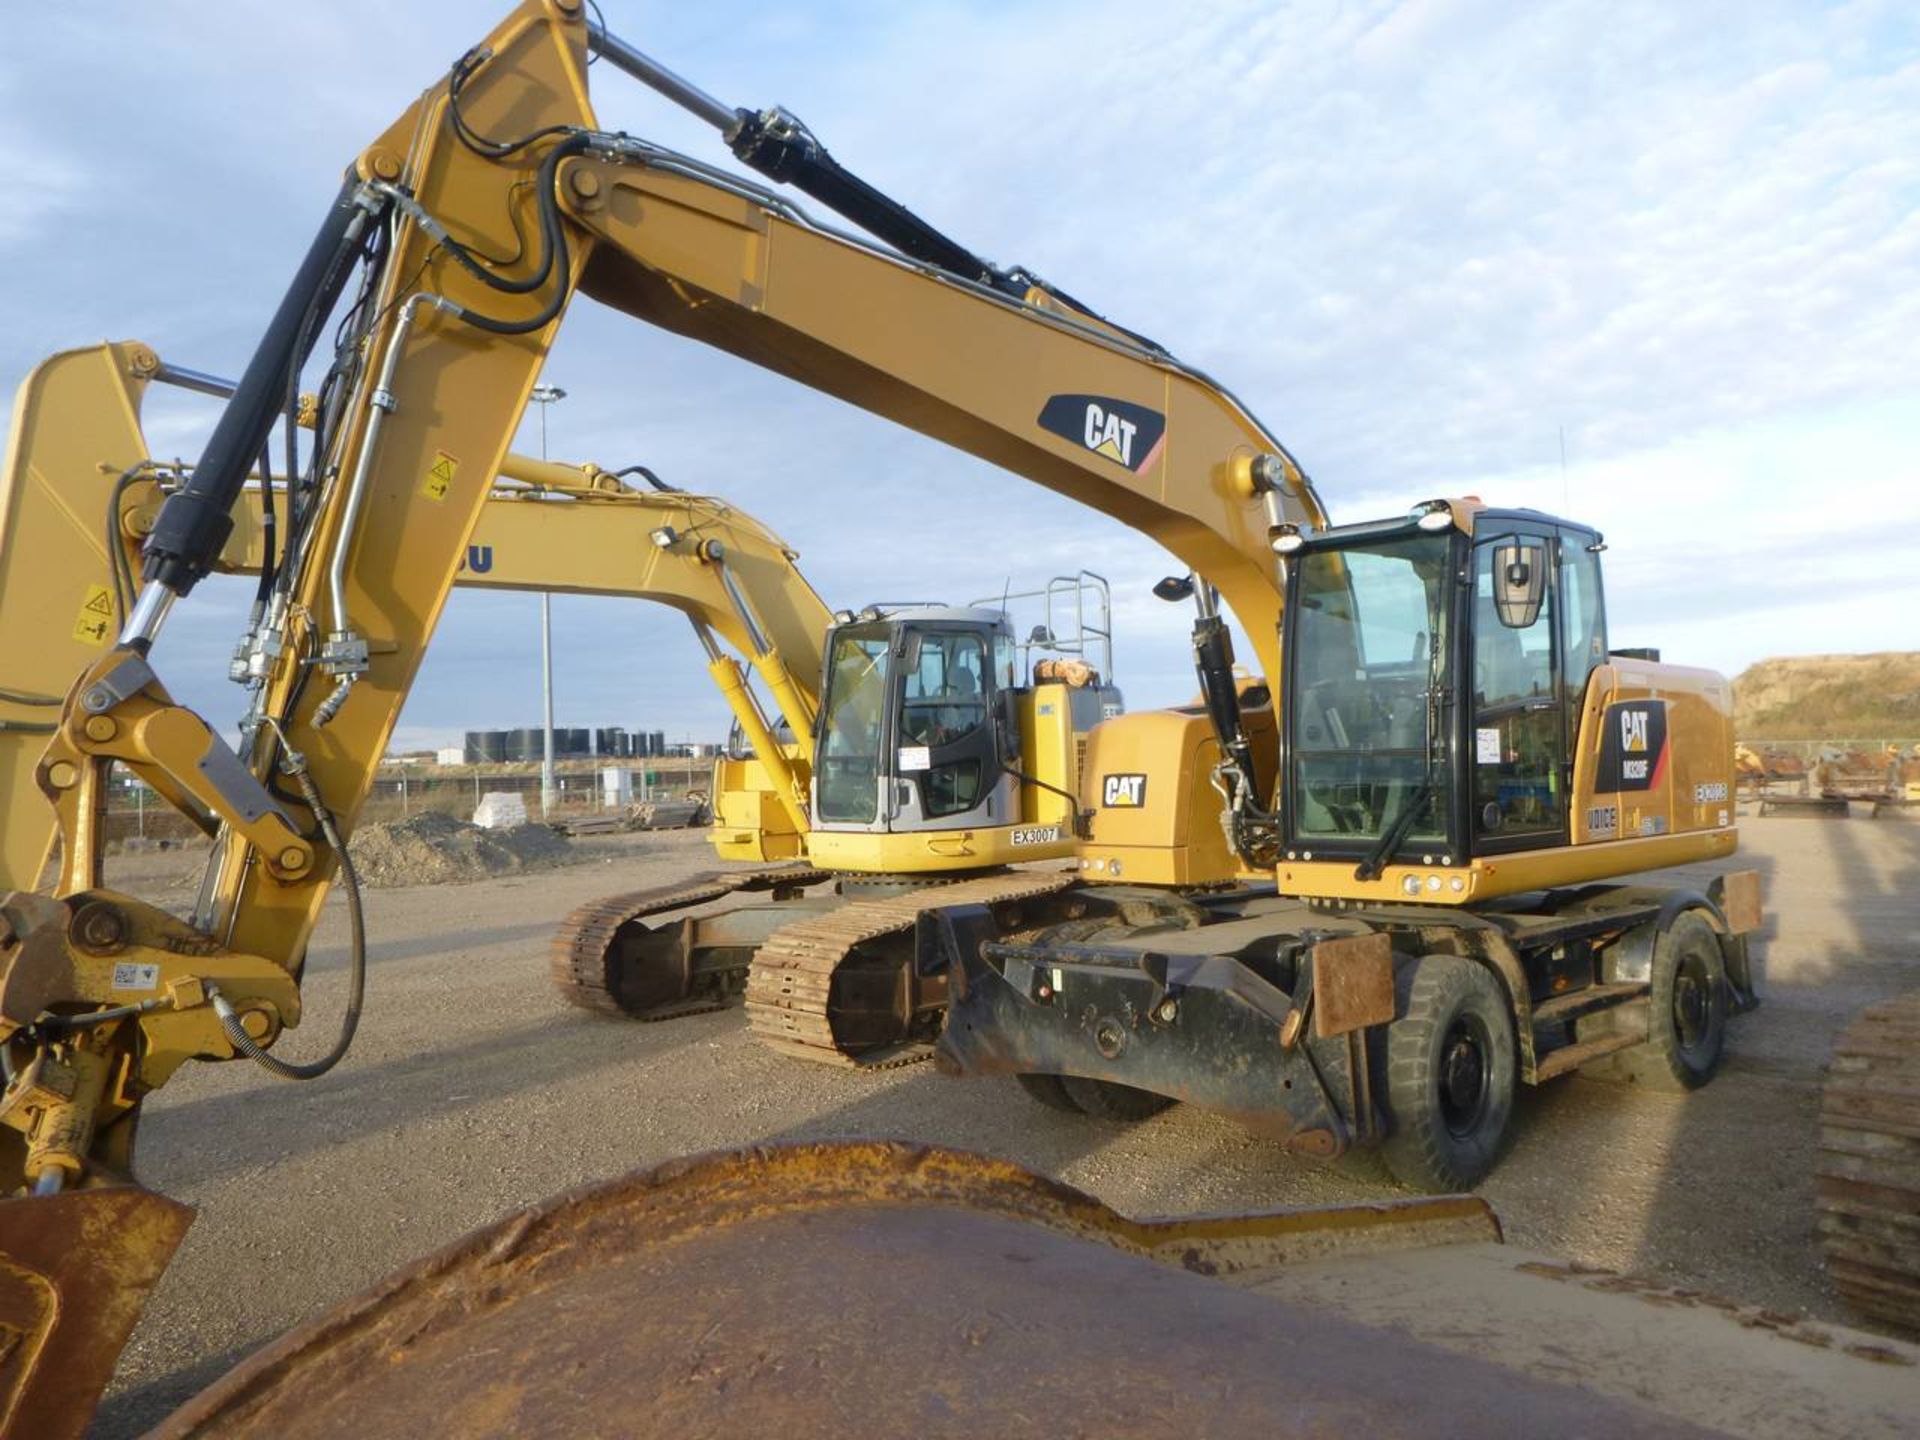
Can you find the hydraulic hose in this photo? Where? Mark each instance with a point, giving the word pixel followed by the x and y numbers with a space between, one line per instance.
pixel 357 976
pixel 197 518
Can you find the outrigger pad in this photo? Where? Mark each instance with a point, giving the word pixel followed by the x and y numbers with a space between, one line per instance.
pixel 75 1270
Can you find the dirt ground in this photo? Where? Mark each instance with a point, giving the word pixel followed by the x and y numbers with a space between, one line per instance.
pixel 472 1089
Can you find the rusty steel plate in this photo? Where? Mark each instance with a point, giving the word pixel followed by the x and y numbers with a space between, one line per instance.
pixel 1352 984
pixel 74 1271
pixel 1740 900
pixel 873 1289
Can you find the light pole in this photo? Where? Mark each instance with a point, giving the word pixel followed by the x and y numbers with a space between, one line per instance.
pixel 543 396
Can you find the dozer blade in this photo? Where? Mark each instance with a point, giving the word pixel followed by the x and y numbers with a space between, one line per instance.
pixel 880 1289
pixel 74 1271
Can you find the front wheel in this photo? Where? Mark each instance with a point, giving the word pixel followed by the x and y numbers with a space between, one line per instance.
pixel 1450 1073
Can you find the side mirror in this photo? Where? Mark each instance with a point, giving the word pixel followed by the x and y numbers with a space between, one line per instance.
pixel 1041 636
pixel 909 650
pixel 1519 581
pixel 1174 587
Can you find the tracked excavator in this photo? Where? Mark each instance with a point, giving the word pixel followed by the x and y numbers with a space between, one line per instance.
pixel 104 996
pixel 1002 723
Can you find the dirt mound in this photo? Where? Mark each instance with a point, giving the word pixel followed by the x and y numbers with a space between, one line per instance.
pixel 432 848
pixel 1814 697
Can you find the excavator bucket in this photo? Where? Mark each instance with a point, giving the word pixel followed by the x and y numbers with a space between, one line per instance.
pixel 871 1288
pixel 74 1271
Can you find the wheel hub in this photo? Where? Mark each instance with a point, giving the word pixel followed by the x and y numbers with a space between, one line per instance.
pixel 1463 1078
pixel 1689 1008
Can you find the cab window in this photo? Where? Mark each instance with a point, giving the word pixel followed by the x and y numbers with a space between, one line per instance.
pixel 946 693
pixel 1585 636
pixel 1519 742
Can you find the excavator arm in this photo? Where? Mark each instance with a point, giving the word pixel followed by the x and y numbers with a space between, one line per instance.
pixel 461 234
pixel 545 526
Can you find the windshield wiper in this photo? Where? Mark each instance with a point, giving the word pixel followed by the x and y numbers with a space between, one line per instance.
pixel 1390 838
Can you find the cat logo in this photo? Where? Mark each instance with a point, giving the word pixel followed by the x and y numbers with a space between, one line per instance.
pixel 1123 792
pixel 1633 749
pixel 1117 430
pixel 1633 731
pixel 1633 744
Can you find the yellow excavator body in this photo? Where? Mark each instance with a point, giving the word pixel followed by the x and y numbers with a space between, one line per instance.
pixel 1148 789
pixel 103 995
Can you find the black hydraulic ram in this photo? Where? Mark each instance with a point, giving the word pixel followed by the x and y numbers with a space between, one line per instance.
pixel 1213 660
pixel 780 146
pixel 196 519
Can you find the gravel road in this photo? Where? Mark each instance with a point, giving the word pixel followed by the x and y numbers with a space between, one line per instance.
pixel 472 1090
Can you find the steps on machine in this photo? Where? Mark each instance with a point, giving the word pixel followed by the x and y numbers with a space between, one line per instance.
pixel 1562 1008
pixel 1550 1015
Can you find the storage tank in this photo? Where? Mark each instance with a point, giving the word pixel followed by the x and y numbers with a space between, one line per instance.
pixel 486 747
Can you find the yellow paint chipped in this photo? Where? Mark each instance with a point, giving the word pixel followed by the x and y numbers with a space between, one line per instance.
pixel 440 476
pixel 94 623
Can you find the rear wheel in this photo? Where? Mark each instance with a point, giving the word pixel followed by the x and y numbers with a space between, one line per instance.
pixel 1048 1090
pixel 1450 1073
pixel 1688 1025
pixel 1108 1100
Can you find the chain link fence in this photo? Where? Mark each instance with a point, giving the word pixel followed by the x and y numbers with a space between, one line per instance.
pixel 137 813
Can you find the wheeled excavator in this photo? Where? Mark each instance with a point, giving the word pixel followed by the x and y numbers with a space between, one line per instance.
pixel 103 996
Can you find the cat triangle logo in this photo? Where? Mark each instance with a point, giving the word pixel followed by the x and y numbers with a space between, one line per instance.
pixel 1116 430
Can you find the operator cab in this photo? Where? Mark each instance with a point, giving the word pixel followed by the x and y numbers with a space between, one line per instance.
pixel 936 721
pixel 1436 668
pixel 914 724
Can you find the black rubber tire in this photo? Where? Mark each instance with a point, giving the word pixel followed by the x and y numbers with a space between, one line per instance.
pixel 1107 1100
pixel 1048 1090
pixel 1451 1073
pixel 1687 1031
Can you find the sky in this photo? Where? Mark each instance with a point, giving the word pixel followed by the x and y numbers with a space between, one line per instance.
pixel 1653 266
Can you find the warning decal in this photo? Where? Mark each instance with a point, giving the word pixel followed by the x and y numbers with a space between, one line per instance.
pixel 440 476
pixel 95 621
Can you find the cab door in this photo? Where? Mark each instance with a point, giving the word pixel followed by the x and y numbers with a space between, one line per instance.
pixel 1517 741
pixel 947 757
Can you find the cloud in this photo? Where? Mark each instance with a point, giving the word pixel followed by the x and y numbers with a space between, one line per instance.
pixel 1421 241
